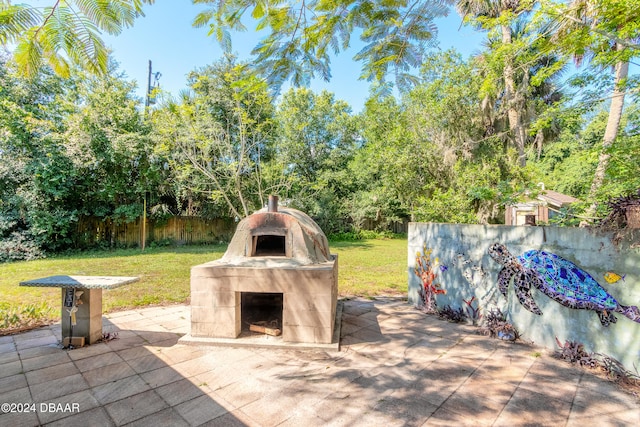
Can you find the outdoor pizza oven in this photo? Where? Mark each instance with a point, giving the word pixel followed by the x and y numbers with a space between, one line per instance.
pixel 277 275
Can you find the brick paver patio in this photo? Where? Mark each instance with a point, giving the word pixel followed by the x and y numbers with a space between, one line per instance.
pixel 396 367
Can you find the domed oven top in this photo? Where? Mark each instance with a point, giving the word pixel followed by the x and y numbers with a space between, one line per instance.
pixel 278 234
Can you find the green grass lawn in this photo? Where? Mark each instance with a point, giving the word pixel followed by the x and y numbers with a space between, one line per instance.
pixel 366 268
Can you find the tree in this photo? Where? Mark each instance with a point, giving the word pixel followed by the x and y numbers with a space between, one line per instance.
pixel 218 136
pixel 316 140
pixel 303 33
pixel 36 177
pixel 603 31
pixel 107 141
pixel 502 13
pixel 431 156
pixel 388 169
pixel 70 148
pixel 464 162
pixel 66 33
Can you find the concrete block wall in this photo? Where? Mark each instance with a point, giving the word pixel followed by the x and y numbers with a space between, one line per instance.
pixel 309 297
pixel 462 248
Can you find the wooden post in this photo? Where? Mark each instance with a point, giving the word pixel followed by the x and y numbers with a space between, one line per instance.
pixel 144 221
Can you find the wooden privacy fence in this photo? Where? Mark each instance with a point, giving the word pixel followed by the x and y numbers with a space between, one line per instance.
pixel 398 227
pixel 182 230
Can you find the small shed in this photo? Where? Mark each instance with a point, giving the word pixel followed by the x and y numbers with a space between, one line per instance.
pixel 541 209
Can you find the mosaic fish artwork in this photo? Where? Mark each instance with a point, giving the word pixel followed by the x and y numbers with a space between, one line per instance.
pixel 443 268
pixel 559 279
pixel 612 277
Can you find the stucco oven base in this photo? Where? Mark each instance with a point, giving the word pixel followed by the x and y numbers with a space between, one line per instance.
pixel 309 297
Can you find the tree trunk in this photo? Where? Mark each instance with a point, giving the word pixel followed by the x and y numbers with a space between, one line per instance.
pixel 610 134
pixel 516 126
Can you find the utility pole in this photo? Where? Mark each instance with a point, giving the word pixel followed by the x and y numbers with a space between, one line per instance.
pixel 151 99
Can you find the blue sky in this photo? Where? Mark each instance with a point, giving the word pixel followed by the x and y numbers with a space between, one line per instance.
pixel 165 36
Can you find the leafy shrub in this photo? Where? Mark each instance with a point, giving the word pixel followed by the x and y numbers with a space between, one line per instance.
pixel 14 318
pixel 496 326
pixel 349 236
pixel 352 236
pixel 473 313
pixel 161 243
pixel 615 370
pixel 452 314
pixel 19 246
pixel 370 234
pixel 574 352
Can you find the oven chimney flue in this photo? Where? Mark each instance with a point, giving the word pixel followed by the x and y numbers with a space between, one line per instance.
pixel 273 204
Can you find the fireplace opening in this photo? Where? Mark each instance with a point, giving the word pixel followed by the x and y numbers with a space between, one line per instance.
pixel 269 245
pixel 261 308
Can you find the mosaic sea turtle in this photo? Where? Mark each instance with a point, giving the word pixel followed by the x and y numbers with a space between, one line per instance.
pixel 559 279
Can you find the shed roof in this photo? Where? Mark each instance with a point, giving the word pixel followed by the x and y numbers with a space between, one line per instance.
pixel 556 199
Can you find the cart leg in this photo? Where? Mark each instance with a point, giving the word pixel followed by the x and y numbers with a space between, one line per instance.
pixel 88 317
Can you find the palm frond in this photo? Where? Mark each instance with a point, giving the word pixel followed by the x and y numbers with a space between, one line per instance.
pixel 16 20
pixel 203 18
pixel 28 55
pixel 67 32
pixel 108 15
pixel 76 36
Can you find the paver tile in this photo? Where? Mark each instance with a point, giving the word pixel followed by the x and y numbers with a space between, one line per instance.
pixel 180 353
pixel 179 391
pixel 135 352
pixel 232 419
pixel 7 347
pixel 135 407
pixel 151 337
pixel 44 392
pixel 89 351
pixel 33 334
pixel 499 391
pixel 10 356
pixel 10 369
pixel 19 419
pixel 165 418
pixel 162 376
pixel 16 395
pixel 146 363
pixel 527 407
pixel 478 406
pixel 247 390
pixel 593 403
pixel 415 411
pixel 119 389
pixel 47 361
pixel 108 373
pixel 124 343
pixel 49 339
pixel 293 395
pixel 28 353
pixel 93 417
pixel 12 382
pixel 98 361
pixel 577 419
pixel 51 373
pixel 444 418
pixel 196 366
pixel 65 406
pixel 200 410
